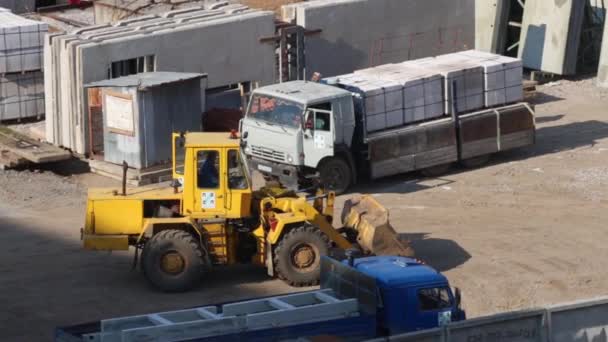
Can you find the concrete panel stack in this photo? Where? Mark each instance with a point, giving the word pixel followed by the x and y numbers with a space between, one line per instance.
pixel 358 34
pixel 21 95
pixel 463 81
pixel 21 82
pixel 503 77
pixel 223 42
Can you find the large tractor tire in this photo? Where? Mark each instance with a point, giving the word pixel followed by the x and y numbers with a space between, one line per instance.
pixel 297 257
pixel 173 260
pixel 335 175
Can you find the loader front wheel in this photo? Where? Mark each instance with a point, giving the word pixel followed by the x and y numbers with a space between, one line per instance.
pixel 172 260
pixel 297 257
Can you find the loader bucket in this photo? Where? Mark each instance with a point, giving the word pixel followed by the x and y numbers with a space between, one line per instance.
pixel 375 234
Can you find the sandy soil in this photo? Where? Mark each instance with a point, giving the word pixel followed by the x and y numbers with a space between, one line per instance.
pixel 526 230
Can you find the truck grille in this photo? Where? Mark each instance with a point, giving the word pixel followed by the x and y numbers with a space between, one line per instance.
pixel 267 153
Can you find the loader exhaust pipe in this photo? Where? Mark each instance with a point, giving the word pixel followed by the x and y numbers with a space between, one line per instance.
pixel 125 167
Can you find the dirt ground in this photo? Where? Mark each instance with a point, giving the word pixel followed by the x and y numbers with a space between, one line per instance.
pixel 528 229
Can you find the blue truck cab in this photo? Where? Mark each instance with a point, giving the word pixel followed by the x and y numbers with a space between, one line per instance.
pixel 359 299
pixel 411 295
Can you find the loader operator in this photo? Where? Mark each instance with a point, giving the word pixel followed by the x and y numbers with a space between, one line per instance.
pixel 207 174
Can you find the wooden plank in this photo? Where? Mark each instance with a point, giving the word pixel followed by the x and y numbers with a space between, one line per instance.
pixel 30 149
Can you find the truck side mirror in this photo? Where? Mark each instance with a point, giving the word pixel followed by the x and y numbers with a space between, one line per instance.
pixel 457 297
pixel 308 122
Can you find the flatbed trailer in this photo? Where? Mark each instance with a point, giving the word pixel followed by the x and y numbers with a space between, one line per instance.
pixel 370 297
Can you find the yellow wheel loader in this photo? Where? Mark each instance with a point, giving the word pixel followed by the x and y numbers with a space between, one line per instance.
pixel 209 215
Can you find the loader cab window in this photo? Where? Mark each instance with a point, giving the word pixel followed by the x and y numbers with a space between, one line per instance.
pixel 433 299
pixel 236 173
pixel 207 169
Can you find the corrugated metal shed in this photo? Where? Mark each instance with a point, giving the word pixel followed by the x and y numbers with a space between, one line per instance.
pixel 141 111
pixel 146 80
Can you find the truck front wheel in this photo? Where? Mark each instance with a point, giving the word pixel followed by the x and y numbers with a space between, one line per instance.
pixel 172 260
pixel 335 175
pixel 297 257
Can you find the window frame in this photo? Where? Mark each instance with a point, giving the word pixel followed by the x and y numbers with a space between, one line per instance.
pixel 217 167
pixel 441 304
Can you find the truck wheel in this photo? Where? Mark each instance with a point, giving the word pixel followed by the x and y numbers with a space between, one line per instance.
pixel 335 175
pixel 172 260
pixel 297 257
pixel 475 162
pixel 436 170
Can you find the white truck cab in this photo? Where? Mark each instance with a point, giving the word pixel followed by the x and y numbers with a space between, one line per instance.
pixel 292 129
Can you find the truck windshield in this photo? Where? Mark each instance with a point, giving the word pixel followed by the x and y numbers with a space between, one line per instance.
pixel 276 111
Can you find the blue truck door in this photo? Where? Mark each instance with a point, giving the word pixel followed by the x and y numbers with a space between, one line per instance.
pixel 431 307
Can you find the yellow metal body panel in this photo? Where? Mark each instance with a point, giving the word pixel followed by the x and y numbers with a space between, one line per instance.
pixel 106 242
pixel 297 210
pixel 115 217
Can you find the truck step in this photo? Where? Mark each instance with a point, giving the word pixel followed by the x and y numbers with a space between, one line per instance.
pixel 280 311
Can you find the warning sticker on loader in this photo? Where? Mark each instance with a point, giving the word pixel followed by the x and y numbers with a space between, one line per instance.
pixel 208 200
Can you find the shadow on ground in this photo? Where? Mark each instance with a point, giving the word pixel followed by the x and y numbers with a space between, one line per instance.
pixel 48 280
pixel 441 254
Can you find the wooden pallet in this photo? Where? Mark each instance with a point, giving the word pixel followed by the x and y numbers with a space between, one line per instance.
pixel 530 89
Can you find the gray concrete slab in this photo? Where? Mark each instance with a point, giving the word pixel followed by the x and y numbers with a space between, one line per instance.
pixel 549 36
pixel 357 34
pixel 180 41
pixel 602 70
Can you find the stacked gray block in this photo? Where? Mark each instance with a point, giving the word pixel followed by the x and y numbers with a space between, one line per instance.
pixel 394 95
pixel 503 77
pixel 21 95
pixel 464 85
pixel 357 34
pixel 225 43
pixel 422 90
pixel 21 81
pixel 21 42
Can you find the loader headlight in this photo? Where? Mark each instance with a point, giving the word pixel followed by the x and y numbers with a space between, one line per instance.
pixel 247 150
pixel 289 158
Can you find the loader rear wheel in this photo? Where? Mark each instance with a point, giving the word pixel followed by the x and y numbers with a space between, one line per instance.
pixel 172 260
pixel 297 257
pixel 335 175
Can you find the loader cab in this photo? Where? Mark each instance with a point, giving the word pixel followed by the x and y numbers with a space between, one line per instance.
pixel 210 173
pixel 405 294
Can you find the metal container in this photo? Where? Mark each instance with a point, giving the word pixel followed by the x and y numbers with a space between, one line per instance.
pixel 141 111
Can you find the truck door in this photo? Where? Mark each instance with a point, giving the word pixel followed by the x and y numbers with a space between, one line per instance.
pixel 318 134
pixel 432 307
pixel 209 182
